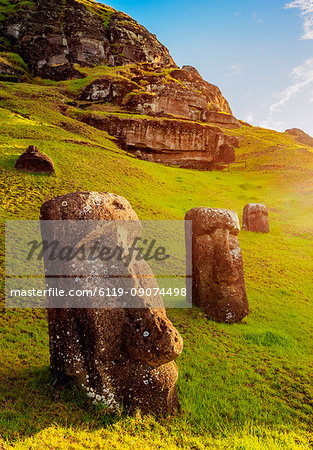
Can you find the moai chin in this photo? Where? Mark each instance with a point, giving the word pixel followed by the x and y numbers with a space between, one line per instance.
pixel 218 285
pixel 122 357
pixel 255 218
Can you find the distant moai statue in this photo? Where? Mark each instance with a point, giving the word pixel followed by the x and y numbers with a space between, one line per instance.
pixel 32 160
pixel 122 357
pixel 218 285
pixel 255 218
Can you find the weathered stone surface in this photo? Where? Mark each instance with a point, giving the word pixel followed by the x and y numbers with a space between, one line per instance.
pixel 227 154
pixel 218 285
pixel 169 98
pixel 222 120
pixel 172 142
pixel 52 36
pixel 190 96
pixel 233 140
pixel 108 90
pixel 122 357
pixel 131 42
pixel 301 136
pixel 34 161
pixel 190 78
pixel 255 218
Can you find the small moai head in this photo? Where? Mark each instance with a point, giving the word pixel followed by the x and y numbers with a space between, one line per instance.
pixel 218 285
pixel 32 160
pixel 122 357
pixel 255 218
pixel 32 149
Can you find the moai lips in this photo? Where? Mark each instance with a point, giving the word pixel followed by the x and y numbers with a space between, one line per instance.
pixel 255 218
pixel 218 285
pixel 122 357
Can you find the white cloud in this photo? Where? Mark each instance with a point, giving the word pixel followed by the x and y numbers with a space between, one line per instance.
pixel 302 77
pixel 236 70
pixel 249 117
pixel 257 19
pixel 306 8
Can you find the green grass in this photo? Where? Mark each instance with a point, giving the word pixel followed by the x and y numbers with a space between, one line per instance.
pixel 243 386
pixel 9 8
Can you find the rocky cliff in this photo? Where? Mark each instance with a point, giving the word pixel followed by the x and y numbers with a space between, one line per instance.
pixel 53 35
pixel 168 110
pixel 169 141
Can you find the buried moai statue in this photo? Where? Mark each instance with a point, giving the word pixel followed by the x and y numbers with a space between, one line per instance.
pixel 123 357
pixel 255 218
pixel 34 161
pixel 218 285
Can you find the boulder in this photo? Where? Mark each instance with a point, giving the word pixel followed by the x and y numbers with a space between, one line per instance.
pixel 34 161
pixel 255 218
pixel 123 357
pixel 218 285
pixel 301 136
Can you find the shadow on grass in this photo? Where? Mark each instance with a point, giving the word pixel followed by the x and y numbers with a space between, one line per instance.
pixel 32 400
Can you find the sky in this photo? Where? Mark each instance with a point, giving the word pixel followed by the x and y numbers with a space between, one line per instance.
pixel 260 54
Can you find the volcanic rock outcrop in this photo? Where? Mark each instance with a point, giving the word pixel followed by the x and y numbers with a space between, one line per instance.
pixel 221 119
pixel 34 161
pixel 173 142
pixel 255 218
pixel 301 136
pixel 177 92
pixel 122 357
pixel 52 36
pixel 57 40
pixel 218 285
pixel 179 102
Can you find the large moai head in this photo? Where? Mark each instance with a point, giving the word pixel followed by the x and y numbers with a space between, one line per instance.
pixel 255 218
pixel 122 357
pixel 218 285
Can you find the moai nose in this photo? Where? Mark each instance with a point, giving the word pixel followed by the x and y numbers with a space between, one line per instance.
pixel 224 267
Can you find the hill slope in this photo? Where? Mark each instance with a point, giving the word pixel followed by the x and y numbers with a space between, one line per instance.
pixel 117 62
pixel 244 386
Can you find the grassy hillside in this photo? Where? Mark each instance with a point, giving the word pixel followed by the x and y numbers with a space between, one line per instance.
pixel 243 386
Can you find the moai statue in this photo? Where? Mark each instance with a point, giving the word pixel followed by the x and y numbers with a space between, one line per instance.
pixel 122 356
pixel 255 218
pixel 218 285
pixel 34 161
